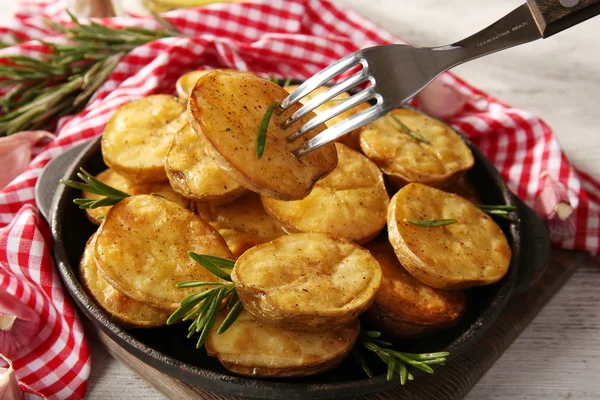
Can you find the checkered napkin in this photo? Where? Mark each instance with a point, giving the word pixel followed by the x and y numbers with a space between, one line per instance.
pixel 291 38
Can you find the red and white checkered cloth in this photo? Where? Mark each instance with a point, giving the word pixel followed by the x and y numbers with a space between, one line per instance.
pixel 291 38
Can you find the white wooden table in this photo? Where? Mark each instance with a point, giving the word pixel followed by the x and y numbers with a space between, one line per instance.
pixel 558 355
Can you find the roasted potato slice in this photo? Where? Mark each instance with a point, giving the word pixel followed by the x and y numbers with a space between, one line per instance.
pixel 307 281
pixel 244 223
pixel 142 249
pixel 228 109
pixel 351 201
pixel 138 135
pixel 124 310
pixel 195 175
pixel 253 348
pixel 464 189
pixel 351 139
pixel 186 82
pixel 119 182
pixel 405 307
pixel 405 159
pixel 471 252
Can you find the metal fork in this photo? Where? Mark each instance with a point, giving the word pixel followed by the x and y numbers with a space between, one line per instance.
pixel 395 73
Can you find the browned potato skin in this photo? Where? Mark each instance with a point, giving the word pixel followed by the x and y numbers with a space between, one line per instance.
pixel 351 201
pixel 123 184
pixel 155 119
pixel 294 282
pixel 351 139
pixel 338 342
pixel 404 159
pixel 186 82
pixel 471 252
pixel 122 309
pixel 464 189
pixel 142 250
pixel 227 109
pixel 406 308
pixel 243 223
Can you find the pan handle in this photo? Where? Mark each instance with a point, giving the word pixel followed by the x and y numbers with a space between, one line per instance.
pixel 534 248
pixel 47 183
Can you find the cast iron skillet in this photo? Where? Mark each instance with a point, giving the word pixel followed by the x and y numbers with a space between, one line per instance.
pixel 168 350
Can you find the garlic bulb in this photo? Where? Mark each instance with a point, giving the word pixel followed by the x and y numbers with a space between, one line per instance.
pixel 91 8
pixel 554 207
pixel 9 388
pixel 441 99
pixel 15 153
pixel 18 324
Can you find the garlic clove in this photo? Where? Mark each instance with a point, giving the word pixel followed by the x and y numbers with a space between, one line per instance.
pixel 9 387
pixel 554 207
pixel 15 153
pixel 18 324
pixel 441 99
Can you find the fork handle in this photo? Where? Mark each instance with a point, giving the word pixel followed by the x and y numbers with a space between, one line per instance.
pixel 553 16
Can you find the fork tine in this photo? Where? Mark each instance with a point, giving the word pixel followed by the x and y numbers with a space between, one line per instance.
pixel 320 78
pixel 335 90
pixel 353 101
pixel 341 128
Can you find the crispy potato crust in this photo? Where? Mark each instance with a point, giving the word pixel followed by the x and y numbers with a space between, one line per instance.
pixel 142 245
pixel 471 252
pixel 228 109
pixel 405 307
pixel 307 281
pixel 186 82
pixel 195 175
pixel 244 223
pixel 404 159
pixel 351 139
pixel 124 310
pixel 351 201
pixel 464 189
pixel 252 348
pixel 119 182
pixel 138 135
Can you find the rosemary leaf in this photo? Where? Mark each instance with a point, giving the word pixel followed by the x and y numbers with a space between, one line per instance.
pixel 262 130
pixel 497 207
pixel 220 262
pixel 232 300
pixel 373 334
pixel 363 363
pixel 430 222
pixel 231 317
pixel 189 284
pixel 180 313
pixel 213 312
pixel 209 265
pixel 287 82
pixel 415 135
pixel 196 297
pixel 391 368
pixel 403 372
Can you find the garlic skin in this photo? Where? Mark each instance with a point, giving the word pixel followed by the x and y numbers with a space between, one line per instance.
pixel 9 387
pixel 441 99
pixel 554 207
pixel 15 153
pixel 91 8
pixel 18 324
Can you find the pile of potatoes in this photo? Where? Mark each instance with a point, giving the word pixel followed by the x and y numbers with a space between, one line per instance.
pixel 308 234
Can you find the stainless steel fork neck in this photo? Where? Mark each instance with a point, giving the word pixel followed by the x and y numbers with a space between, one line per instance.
pixel 517 27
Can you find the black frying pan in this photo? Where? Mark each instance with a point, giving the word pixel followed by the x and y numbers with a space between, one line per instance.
pixel 168 350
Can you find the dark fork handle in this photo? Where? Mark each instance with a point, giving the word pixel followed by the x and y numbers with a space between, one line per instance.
pixel 553 16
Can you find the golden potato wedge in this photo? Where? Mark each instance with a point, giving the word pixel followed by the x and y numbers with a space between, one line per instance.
pixel 464 189
pixel 123 184
pixel 471 252
pixel 252 348
pixel 195 175
pixel 351 201
pixel 307 281
pixel 403 306
pixel 351 139
pixel 404 159
pixel 244 223
pixel 142 249
pixel 122 309
pixel 138 135
pixel 228 109
pixel 186 82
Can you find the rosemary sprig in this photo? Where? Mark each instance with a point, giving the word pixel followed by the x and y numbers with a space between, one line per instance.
pixel 415 135
pixel 430 222
pixel 92 185
pixel 262 130
pixel 500 211
pixel 203 307
pixel 62 82
pixel 396 361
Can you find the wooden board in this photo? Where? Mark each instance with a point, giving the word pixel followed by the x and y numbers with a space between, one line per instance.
pixel 450 382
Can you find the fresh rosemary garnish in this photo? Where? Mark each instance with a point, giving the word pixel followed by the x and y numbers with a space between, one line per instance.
pixel 501 211
pixel 92 185
pixel 430 222
pixel 397 362
pixel 203 307
pixel 407 130
pixel 61 82
pixel 287 82
pixel 261 139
